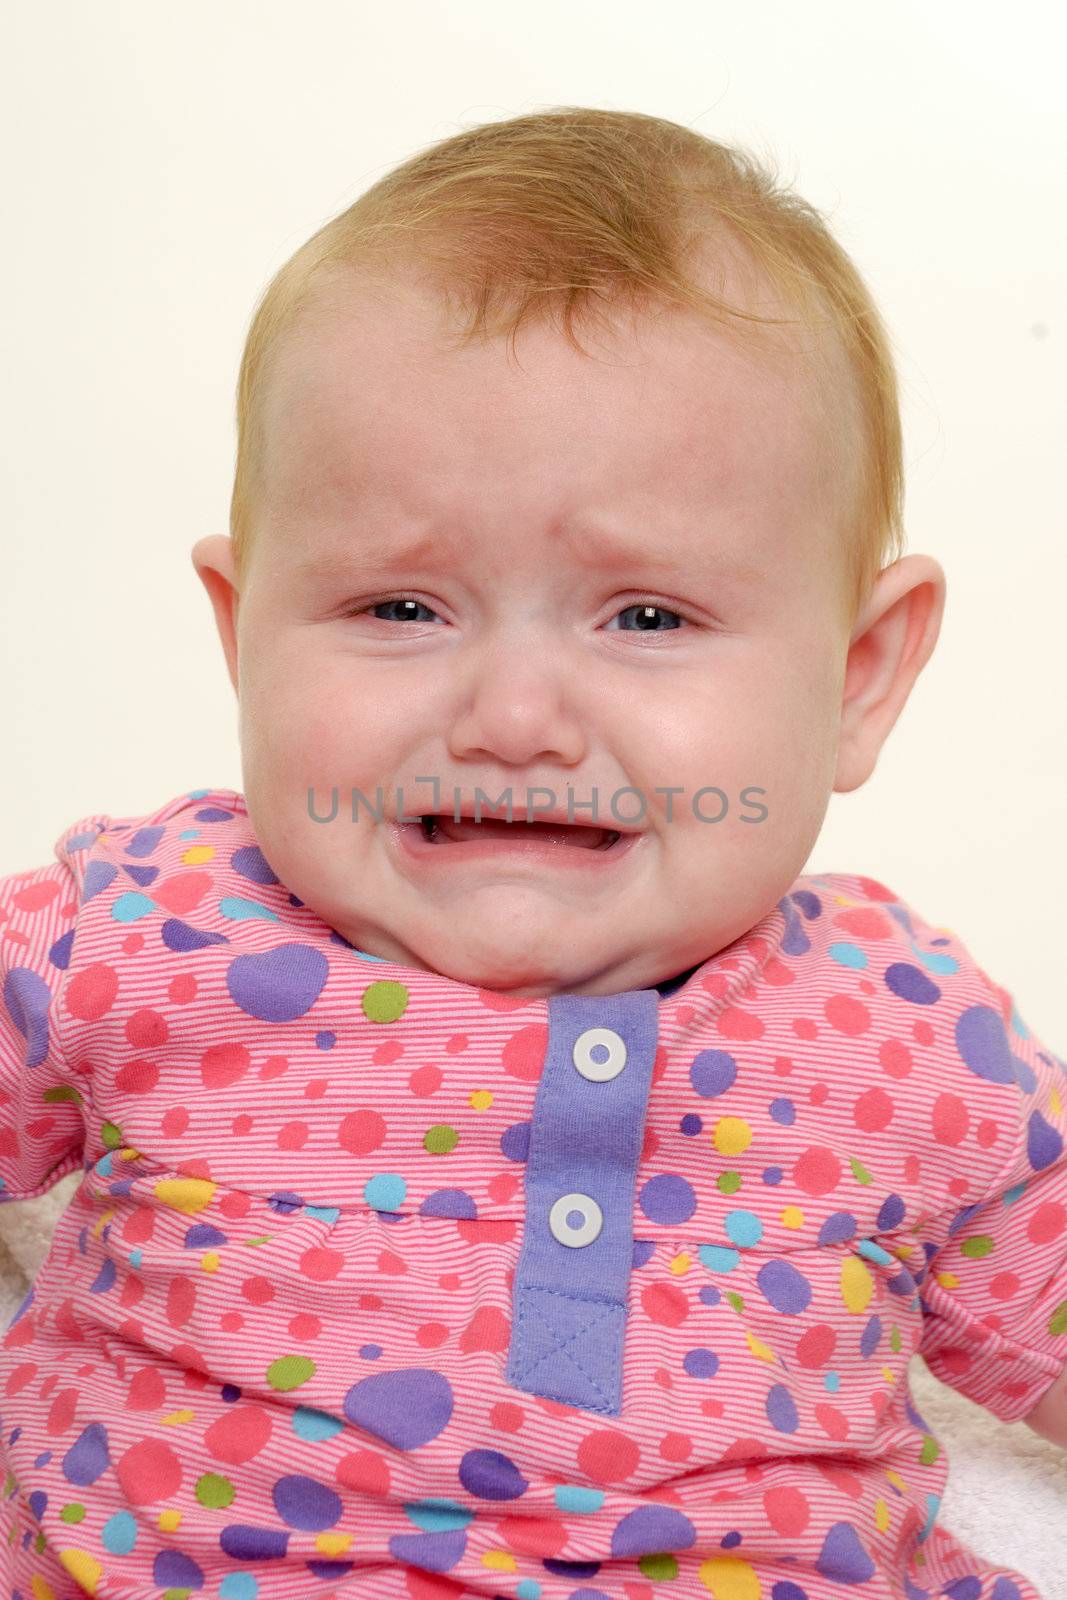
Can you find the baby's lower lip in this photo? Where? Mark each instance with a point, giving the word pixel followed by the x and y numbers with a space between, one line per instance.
pixel 537 848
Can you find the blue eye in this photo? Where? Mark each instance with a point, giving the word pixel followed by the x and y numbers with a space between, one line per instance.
pixel 401 600
pixel 645 618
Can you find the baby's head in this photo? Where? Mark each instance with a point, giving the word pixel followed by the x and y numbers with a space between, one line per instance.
pixel 664 572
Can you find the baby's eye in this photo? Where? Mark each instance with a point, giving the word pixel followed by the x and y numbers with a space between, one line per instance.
pixel 400 601
pixel 645 618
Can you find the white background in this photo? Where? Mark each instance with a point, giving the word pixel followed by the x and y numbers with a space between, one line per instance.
pixel 162 162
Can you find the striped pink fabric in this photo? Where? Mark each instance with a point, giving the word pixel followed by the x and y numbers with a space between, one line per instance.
pixel 274 1350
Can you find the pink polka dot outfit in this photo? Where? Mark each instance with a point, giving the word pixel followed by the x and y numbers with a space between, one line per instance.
pixel 378 1284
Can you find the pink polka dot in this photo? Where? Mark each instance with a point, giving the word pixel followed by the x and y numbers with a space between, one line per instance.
pixel 239 1434
pixel 735 1023
pixel 949 1119
pixel 320 1264
pixel 608 1457
pixel 1047 1222
pixel 293 1135
pixel 149 1470
pixel 986 1133
pixel 137 1077
pixel 91 993
pixel 873 1111
pixel 523 1055
pixel 847 1015
pixel 224 1064
pixel 787 1510
pixel 816 1345
pixel 894 1058
pixel 182 989
pixel 833 1422
pixel 665 1304
pixel 175 1121
pixel 146 1029
pixel 1004 1286
pixel 817 1171
pixel 361 1132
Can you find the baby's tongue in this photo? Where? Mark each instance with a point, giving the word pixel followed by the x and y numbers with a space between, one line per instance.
pixel 497 828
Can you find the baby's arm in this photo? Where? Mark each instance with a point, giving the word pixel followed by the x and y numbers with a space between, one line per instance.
pixel 42 1129
pixel 1049 1416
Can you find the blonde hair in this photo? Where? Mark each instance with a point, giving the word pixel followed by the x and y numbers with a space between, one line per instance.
pixel 561 209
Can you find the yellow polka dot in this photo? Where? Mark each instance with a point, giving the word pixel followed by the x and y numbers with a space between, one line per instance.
pixel 680 1263
pixel 857 1285
pixel 168 1521
pixel 185 1194
pixel 499 1561
pixel 102 1221
pixel 732 1135
pixel 1055 1103
pixel 83 1568
pixel 481 1099
pixel 888 1374
pixel 896 1480
pixel 197 854
pixel 881 1515
pixel 947 1280
pixel 758 1348
pixel 333 1544
pixel 210 1262
pixel 792 1217
pixel 41 1590
pixel 174 1418
pixel 729 1578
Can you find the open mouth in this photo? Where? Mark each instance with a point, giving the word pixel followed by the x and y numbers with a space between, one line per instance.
pixel 443 830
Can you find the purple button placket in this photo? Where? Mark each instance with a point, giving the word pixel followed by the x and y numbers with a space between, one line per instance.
pixel 569 1299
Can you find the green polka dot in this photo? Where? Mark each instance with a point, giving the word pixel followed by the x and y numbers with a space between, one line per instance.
pixel 440 1140
pixel 896 1341
pixel 111 1135
pixel 1058 1319
pixel 980 1245
pixel 72 1513
pixel 658 1568
pixel 735 1300
pixel 214 1491
pixel 728 1182
pixel 289 1372
pixel 859 1171
pixel 385 1001
pixel 930 1450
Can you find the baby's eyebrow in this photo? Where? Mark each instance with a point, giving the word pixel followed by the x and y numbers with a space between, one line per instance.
pixel 586 545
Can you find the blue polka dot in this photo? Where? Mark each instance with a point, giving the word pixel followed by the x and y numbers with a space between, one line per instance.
pixel 743 1228
pixel 846 954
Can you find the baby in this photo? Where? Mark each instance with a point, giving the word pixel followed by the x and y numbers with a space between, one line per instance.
pixel 504 1173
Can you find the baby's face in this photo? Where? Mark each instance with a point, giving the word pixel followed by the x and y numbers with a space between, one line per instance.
pixel 534 508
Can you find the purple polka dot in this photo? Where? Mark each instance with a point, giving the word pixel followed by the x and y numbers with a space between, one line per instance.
pixel 667 1199
pixel 701 1363
pixel 983 1044
pixel 250 862
pixel 910 983
pixel 491 1475
pixel 181 937
pixel 781 1409
pixel 407 1408
pixel 871 1337
pixel 454 1203
pixel 515 1142
pixel 650 1530
pixel 27 998
pixel 434 1552
pixel 1043 1142
pixel 144 842
pixel 88 1456
pixel 305 1503
pixel 783 1112
pixel 712 1073
pixel 892 1212
pixel 173 1569
pixel 787 1289
pixel 842 1557
pixel 245 1543
pixel 788 1591
pixel 839 1226
pixel 278 985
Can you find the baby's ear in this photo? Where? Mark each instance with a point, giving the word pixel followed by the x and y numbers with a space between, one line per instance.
pixel 212 558
pixel 893 638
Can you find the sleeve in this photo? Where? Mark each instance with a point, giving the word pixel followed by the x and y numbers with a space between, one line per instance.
pixel 42 1127
pixel 994 1293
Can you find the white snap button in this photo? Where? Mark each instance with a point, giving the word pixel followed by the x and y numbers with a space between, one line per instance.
pixel 587 1230
pixel 602 1038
